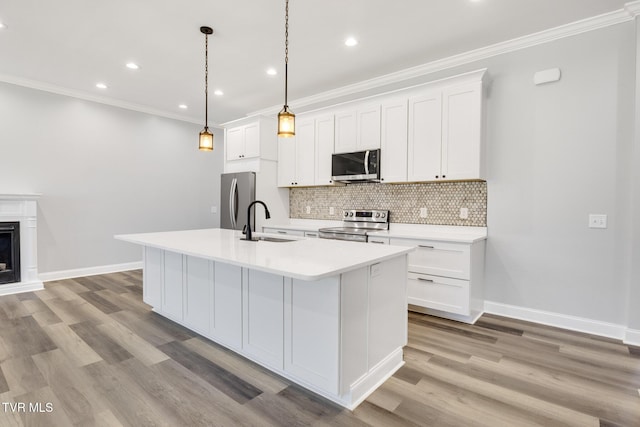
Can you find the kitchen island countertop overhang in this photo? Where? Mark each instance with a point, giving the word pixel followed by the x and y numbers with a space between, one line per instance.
pixel 304 259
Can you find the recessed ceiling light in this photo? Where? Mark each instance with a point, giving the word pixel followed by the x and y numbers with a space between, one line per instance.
pixel 272 71
pixel 101 85
pixel 351 41
pixel 132 65
pixel 183 106
pixel 218 92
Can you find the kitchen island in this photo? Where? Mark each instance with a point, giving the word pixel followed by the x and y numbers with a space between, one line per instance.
pixel 329 315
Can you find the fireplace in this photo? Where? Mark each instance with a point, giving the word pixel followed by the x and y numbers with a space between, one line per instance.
pixel 9 252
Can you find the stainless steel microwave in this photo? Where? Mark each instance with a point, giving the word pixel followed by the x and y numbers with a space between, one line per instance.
pixel 356 167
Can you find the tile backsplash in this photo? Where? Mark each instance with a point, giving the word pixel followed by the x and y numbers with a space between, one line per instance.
pixel 443 201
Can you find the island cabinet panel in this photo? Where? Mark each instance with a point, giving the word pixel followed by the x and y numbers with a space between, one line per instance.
pixel 385 302
pixel 263 316
pixel 226 316
pixel 198 289
pixel 172 295
pixel 152 277
pixel 312 331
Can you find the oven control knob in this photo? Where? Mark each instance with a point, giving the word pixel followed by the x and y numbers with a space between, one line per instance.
pixel 346 214
pixel 350 213
pixel 384 214
pixel 377 214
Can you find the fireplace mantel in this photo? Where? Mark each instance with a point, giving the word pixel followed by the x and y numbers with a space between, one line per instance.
pixel 22 207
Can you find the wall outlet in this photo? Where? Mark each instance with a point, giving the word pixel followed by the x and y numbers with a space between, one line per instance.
pixel 423 212
pixel 597 221
pixel 214 209
pixel 464 213
pixel 376 270
pixel 308 209
pixel 332 210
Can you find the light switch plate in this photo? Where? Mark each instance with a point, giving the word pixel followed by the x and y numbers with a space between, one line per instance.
pixel 464 213
pixel 423 212
pixel 214 209
pixel 597 221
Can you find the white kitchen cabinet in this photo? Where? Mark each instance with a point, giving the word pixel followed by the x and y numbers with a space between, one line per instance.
pixel 393 141
pixel 172 289
pixel 445 278
pixel 311 316
pixel 263 316
pixel 198 288
pixel 248 141
pixel 325 136
pixel 226 319
pixel 152 278
pixel 445 134
pixel 358 128
pixel 296 156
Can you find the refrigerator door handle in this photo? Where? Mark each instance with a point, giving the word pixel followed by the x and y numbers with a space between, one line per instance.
pixel 232 193
pixel 235 204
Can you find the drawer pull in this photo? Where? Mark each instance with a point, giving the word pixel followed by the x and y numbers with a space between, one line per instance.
pixel 424 280
pixel 373 241
pixel 425 246
pixel 312 235
pixel 282 232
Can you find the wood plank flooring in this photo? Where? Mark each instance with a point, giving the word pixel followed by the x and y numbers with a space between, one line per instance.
pixel 88 351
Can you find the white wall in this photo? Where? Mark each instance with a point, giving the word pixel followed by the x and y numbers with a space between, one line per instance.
pixel 102 171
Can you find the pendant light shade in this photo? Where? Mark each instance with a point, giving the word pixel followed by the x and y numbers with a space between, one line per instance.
pixel 286 119
pixel 205 142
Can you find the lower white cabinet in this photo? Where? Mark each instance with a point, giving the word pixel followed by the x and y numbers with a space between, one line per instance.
pixel 172 298
pixel 226 316
pixel 445 278
pixel 152 278
pixel 198 289
pixel 262 316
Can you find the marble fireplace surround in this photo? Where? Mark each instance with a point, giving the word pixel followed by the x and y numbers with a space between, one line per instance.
pixel 22 208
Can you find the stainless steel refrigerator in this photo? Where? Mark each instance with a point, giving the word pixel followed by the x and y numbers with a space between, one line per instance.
pixel 238 190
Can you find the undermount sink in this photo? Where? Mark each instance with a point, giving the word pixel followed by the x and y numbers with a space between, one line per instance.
pixel 270 239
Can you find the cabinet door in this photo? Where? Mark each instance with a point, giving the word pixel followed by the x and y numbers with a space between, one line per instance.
pixel 312 331
pixel 345 135
pixel 305 152
pixel 199 286
pixel 172 297
pixel 368 133
pixel 152 277
pixel 286 162
pixel 324 149
pixel 251 140
pixel 394 140
pixel 263 314
pixel 425 137
pixel 234 144
pixel 226 319
pixel 461 133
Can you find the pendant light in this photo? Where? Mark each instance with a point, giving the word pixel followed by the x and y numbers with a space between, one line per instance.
pixel 206 137
pixel 286 119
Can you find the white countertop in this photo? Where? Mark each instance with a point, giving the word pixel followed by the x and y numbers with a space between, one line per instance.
pixel 305 259
pixel 444 233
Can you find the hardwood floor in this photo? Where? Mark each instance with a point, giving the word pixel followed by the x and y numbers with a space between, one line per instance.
pixel 88 352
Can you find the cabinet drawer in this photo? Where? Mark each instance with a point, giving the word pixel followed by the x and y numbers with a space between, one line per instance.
pixel 439 293
pixel 286 232
pixel 438 258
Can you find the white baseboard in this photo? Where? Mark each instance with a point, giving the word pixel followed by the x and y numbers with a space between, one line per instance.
pixel 89 271
pixel 632 337
pixel 564 321
pixel 18 288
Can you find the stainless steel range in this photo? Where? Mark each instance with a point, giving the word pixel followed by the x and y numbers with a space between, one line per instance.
pixel 356 224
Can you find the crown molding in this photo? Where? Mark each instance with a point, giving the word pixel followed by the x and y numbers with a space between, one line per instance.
pixel 628 13
pixel 59 90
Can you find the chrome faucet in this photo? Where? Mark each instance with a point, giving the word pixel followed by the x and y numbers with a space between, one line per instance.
pixel 266 214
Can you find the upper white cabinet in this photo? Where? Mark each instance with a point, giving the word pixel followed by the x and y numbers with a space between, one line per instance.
pixel 248 141
pixel 393 143
pixel 305 160
pixel 358 129
pixel 445 134
pixel 296 156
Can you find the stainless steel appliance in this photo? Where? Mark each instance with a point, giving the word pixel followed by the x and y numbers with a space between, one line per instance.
pixel 356 167
pixel 356 224
pixel 237 191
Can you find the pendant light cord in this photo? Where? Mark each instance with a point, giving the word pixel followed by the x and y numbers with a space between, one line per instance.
pixel 286 50
pixel 206 81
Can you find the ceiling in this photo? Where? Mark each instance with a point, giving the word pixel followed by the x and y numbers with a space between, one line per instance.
pixel 70 45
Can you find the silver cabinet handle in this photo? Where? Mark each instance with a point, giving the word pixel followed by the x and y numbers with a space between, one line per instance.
pixel 424 280
pixel 312 235
pixel 425 246
pixel 282 232
pixel 373 241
